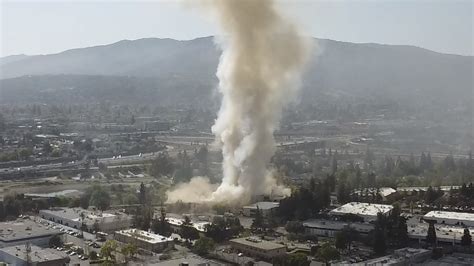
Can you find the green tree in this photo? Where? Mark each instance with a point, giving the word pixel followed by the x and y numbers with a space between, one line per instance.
pixel 466 239
pixel 93 255
pixel 258 221
pixel 161 226
pixel 203 246
pixel 100 198
pixel 295 227
pixel 55 241
pixel 108 249
pixel 379 242
pixel 161 166
pixel 129 251
pixel 431 235
pixel 297 259
pixel 188 231
pixel 341 240
pixel 2 123
pixel 142 194
pixel 327 253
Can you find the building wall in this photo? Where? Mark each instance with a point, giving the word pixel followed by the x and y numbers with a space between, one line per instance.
pixel 321 231
pixel 109 226
pixel 451 221
pixel 40 242
pixel 21 260
pixel 250 212
pixel 259 253
pixel 155 247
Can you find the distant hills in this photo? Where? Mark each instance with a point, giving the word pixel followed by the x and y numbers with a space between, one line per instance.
pixel 173 72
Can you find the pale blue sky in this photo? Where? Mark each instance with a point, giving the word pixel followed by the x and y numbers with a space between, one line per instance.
pixel 42 27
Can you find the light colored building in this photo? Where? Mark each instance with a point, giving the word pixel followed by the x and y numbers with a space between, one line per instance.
pixel 328 228
pixel 145 240
pixel 24 231
pixel 451 218
pixel 400 257
pixel 367 211
pixel 386 193
pixel 266 208
pixel 36 256
pixel 176 223
pixel 258 248
pixel 444 233
pixel 105 221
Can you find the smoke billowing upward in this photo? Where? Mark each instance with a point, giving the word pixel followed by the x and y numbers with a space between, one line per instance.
pixel 263 56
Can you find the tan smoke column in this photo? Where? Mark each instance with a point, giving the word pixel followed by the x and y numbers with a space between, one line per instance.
pixel 263 57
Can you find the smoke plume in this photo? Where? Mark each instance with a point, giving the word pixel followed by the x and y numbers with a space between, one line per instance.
pixel 259 69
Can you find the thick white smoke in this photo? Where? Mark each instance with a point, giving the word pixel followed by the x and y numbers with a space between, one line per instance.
pixel 263 57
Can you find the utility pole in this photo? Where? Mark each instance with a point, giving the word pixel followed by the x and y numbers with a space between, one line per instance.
pixel 28 251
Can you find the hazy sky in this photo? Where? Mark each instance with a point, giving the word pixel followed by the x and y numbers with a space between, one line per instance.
pixel 42 27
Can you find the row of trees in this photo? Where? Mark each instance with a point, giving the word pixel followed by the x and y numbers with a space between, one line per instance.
pixel 307 201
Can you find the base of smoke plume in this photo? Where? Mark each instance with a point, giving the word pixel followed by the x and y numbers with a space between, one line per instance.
pixel 201 190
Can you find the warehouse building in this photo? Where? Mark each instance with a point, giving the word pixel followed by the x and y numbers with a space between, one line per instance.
pixel 144 240
pixel 450 218
pixel 258 248
pixel 23 255
pixel 93 220
pixel 24 231
pixel 366 211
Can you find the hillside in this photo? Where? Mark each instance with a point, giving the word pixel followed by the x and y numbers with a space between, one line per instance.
pixel 183 70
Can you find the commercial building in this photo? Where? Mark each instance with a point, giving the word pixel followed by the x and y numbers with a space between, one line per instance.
pixel 385 193
pixel 145 240
pixel 93 220
pixel 258 248
pixel 448 234
pixel 451 218
pixel 176 223
pixel 32 255
pixel 400 257
pixel 328 228
pixel 266 208
pixel 24 231
pixel 366 211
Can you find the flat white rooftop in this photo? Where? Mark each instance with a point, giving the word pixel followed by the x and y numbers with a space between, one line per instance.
pixel 199 225
pixel 362 209
pixel 144 236
pixel 263 205
pixel 461 216
pixel 383 191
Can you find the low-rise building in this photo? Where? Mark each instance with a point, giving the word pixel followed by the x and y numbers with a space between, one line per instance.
pixel 93 220
pixel 451 218
pixel 24 231
pixel 145 240
pixel 32 255
pixel 258 248
pixel 266 208
pixel 385 193
pixel 400 257
pixel 328 228
pixel 366 211
pixel 176 223
pixel 448 234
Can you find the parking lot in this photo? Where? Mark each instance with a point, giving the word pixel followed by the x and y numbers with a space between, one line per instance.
pixel 77 245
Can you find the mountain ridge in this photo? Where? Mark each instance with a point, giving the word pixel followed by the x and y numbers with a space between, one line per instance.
pixel 187 69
